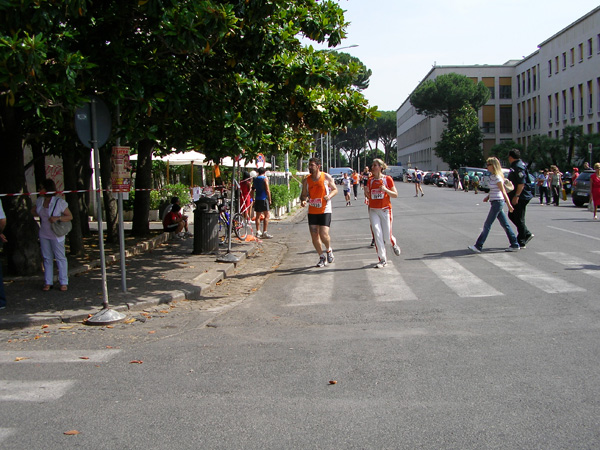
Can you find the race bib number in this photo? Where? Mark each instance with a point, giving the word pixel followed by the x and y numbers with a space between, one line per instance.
pixel 315 202
pixel 377 194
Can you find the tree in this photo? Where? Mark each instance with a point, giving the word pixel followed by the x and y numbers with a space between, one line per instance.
pixel 460 144
pixel 571 135
pixel 447 94
pixel 383 130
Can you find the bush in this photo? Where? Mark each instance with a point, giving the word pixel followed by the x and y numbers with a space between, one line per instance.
pixel 163 196
pixel 281 195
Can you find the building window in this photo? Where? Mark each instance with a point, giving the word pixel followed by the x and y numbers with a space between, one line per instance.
pixel 590 48
pixel 564 64
pixel 506 88
pixel 572 56
pixel 534 79
pixel 549 108
pixel 556 65
pixel 580 52
pixel 489 119
pixel 518 86
pixel 564 102
pixel 506 119
pixel 556 107
pixel 572 92
pixel 549 67
pixel 590 88
pixel 580 100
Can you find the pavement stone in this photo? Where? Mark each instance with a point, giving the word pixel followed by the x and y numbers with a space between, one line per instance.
pixel 159 271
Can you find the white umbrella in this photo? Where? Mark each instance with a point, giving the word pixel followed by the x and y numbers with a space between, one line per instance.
pixel 179 159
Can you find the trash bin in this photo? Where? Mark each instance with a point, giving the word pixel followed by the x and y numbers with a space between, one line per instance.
pixel 206 223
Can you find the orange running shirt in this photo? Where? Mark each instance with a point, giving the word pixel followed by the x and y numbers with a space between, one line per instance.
pixel 377 198
pixel 317 190
pixel 355 178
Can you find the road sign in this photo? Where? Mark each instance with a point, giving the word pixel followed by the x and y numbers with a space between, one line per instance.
pixel 83 123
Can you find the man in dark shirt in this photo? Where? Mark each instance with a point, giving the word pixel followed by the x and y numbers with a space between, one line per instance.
pixel 520 196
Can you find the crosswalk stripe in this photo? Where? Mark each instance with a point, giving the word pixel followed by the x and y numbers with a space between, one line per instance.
pixel 6 432
pixel 463 282
pixel 33 391
pixel 56 356
pixel 313 296
pixel 388 285
pixel 572 262
pixel 535 277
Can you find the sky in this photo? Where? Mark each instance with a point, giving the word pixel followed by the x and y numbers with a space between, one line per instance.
pixel 401 40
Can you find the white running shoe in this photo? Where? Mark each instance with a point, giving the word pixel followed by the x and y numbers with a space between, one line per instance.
pixel 381 264
pixel 474 249
pixel 512 249
pixel 266 235
pixel 330 257
pixel 322 261
pixel 258 234
pixel 397 250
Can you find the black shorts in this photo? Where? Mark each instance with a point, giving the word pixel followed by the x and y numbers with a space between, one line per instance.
pixel 172 227
pixel 323 220
pixel 261 205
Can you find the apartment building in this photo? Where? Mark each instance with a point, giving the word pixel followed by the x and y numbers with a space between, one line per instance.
pixel 556 86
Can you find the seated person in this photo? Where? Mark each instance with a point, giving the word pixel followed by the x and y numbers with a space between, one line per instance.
pixel 168 209
pixel 174 221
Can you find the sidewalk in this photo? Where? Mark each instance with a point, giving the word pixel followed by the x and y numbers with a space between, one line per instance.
pixel 159 271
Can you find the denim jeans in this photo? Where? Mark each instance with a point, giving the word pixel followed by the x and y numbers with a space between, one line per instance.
pixel 496 211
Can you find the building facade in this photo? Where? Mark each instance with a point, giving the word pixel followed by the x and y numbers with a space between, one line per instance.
pixel 556 86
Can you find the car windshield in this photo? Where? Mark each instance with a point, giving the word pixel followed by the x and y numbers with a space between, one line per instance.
pixel 584 177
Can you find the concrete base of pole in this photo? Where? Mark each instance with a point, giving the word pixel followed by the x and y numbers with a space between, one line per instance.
pixel 106 316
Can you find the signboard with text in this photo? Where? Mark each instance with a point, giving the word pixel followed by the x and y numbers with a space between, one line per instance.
pixel 121 169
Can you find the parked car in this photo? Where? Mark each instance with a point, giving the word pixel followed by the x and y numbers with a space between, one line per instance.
pixel 581 191
pixel 337 179
pixel 484 180
pixel 427 178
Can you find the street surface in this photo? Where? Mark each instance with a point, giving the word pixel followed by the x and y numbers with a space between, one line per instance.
pixel 441 349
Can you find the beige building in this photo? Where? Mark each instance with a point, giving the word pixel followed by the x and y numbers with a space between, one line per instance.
pixel 556 86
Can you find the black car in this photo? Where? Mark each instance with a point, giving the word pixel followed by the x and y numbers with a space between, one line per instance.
pixel 427 178
pixel 581 191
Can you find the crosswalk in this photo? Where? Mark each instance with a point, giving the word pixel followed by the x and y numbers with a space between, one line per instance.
pixel 468 276
pixel 18 390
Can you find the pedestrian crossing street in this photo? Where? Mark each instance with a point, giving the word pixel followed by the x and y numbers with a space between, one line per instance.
pixel 468 275
pixel 34 392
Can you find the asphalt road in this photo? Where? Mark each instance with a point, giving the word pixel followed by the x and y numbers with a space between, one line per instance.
pixel 441 349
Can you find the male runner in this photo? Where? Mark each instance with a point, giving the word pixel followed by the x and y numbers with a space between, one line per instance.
pixel 318 187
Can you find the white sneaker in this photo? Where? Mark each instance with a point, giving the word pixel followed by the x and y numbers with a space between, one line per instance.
pixel 474 249
pixel 330 257
pixel 381 264
pixel 322 261
pixel 512 249
pixel 397 250
pixel 266 235
pixel 258 234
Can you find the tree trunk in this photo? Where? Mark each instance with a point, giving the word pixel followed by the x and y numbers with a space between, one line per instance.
pixel 110 202
pixel 22 249
pixel 143 180
pixel 84 173
pixel 39 162
pixel 70 177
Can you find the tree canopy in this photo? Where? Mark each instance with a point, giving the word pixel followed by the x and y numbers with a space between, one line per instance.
pixel 217 76
pixel 447 94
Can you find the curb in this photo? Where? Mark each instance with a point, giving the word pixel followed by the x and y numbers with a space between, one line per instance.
pixel 205 282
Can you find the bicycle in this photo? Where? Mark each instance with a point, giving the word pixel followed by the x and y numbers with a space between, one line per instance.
pixel 239 227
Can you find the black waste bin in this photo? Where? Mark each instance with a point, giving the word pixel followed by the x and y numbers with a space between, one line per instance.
pixel 206 223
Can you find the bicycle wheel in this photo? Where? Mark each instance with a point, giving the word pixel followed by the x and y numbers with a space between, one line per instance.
pixel 240 226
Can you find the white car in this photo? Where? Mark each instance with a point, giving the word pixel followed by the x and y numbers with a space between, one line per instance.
pixel 484 182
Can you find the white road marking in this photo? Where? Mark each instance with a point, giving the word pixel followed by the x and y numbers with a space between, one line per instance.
pixel 388 285
pixel 573 262
pixel 535 277
pixel 56 356
pixel 6 432
pixel 575 232
pixel 301 296
pixel 33 391
pixel 463 282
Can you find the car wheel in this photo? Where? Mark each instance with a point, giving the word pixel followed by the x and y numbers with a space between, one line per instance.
pixel 578 203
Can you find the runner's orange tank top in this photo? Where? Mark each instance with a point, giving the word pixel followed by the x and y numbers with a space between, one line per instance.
pixel 380 199
pixel 317 190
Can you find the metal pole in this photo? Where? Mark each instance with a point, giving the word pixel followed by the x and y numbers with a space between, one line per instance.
pixel 98 203
pixel 121 223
